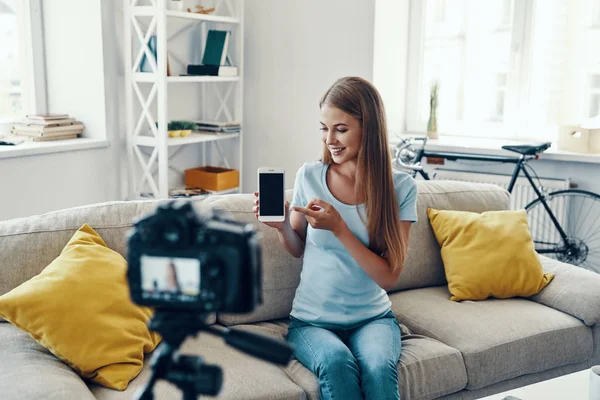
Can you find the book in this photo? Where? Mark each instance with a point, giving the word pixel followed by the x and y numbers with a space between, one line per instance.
pixel 215 49
pixel 47 139
pixel 38 130
pixel 217 127
pixel 212 70
pixel 47 117
pixel 52 122
pixel 145 64
pixel 218 124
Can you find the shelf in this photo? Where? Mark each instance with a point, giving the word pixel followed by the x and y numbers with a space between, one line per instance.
pixel 150 141
pixel 227 191
pixel 149 11
pixel 203 195
pixel 203 17
pixel 151 77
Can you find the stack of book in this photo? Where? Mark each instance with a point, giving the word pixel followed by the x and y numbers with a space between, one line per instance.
pixel 45 127
pixel 217 127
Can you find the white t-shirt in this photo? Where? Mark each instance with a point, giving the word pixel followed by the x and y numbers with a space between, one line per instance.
pixel 334 291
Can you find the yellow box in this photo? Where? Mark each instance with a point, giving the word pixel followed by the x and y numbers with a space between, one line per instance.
pixel 212 178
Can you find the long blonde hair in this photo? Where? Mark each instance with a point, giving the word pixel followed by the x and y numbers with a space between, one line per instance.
pixel 374 181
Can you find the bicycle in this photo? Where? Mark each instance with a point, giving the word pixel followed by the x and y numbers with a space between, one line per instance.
pixel 572 240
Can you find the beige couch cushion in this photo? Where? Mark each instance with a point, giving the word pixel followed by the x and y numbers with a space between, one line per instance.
pixel 427 368
pixel 29 371
pixel 423 266
pixel 244 377
pixel 499 339
pixel 30 244
pixel 281 271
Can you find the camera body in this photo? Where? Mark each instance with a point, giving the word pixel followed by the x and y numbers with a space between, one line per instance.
pixel 182 259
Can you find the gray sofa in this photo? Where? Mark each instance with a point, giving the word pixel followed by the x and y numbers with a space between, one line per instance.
pixel 450 350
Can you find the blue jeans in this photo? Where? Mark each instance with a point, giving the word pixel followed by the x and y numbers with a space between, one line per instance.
pixel 355 363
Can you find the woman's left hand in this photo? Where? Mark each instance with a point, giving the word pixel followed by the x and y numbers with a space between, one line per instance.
pixel 322 215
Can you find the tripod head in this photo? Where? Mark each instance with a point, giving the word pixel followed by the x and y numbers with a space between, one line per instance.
pixel 190 373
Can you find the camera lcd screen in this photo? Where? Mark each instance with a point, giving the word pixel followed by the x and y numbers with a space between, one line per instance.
pixel 271 195
pixel 170 278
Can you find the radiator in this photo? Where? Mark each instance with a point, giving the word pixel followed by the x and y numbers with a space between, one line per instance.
pixel 542 230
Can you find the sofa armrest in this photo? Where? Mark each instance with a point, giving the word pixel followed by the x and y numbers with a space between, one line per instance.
pixel 574 290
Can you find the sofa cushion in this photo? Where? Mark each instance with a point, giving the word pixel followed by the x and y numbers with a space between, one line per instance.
pixel 423 266
pixel 574 290
pixel 80 309
pixel 501 245
pixel 244 376
pixel 29 371
pixel 427 368
pixel 281 271
pixel 499 339
pixel 30 244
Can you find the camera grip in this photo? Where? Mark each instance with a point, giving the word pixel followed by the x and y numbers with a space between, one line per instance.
pixel 269 349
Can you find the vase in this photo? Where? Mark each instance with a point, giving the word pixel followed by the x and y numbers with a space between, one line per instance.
pixel 432 132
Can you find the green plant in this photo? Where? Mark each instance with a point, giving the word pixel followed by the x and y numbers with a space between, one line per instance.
pixel 433 103
pixel 179 125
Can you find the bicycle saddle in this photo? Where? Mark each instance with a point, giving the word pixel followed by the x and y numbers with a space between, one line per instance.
pixel 528 149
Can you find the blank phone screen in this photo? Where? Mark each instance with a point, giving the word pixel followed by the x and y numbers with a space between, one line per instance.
pixel 271 195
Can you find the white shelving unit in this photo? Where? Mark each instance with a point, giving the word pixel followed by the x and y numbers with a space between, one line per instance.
pixel 150 150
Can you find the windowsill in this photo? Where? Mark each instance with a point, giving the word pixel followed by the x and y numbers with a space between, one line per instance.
pixel 34 148
pixel 461 144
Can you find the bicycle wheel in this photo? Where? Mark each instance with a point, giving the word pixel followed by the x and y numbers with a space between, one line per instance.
pixel 578 214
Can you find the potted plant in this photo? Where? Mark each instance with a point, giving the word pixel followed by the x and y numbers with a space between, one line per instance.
pixel 179 128
pixel 432 130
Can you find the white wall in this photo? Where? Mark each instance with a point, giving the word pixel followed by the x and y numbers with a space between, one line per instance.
pixel 77 70
pixel 295 50
pixel 391 55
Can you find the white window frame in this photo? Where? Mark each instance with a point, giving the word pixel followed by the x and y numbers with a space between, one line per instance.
pixel 516 78
pixel 32 56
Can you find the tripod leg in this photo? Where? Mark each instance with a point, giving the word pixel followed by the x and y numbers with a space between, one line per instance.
pixel 159 364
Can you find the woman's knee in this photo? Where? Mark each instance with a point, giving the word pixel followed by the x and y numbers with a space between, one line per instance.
pixel 379 369
pixel 337 360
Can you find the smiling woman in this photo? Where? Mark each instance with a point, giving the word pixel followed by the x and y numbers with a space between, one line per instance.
pixel 351 216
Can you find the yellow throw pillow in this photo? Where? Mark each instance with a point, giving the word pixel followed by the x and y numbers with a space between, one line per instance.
pixel 488 255
pixel 79 308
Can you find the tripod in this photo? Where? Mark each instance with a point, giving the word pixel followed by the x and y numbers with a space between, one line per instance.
pixel 190 373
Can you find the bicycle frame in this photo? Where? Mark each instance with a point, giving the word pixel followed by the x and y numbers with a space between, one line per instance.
pixel 519 162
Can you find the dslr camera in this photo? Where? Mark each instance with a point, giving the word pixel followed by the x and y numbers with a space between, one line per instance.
pixel 181 259
pixel 188 263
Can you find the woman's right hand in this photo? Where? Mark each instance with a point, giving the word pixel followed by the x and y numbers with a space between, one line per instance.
pixel 277 225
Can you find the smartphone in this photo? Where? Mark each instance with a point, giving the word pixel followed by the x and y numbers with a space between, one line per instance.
pixel 271 195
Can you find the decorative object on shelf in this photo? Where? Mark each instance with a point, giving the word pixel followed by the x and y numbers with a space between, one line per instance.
pixel 212 70
pixel 179 128
pixel 212 178
pixel 145 64
pixel 201 10
pixel 175 5
pixel 432 130
pixel 215 48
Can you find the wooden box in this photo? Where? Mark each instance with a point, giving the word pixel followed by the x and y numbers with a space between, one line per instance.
pixel 579 140
pixel 212 178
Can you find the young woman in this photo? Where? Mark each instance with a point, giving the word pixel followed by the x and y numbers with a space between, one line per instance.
pixel 350 219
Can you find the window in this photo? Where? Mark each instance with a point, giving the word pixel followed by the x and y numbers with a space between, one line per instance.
pixel 505 68
pixel 22 77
